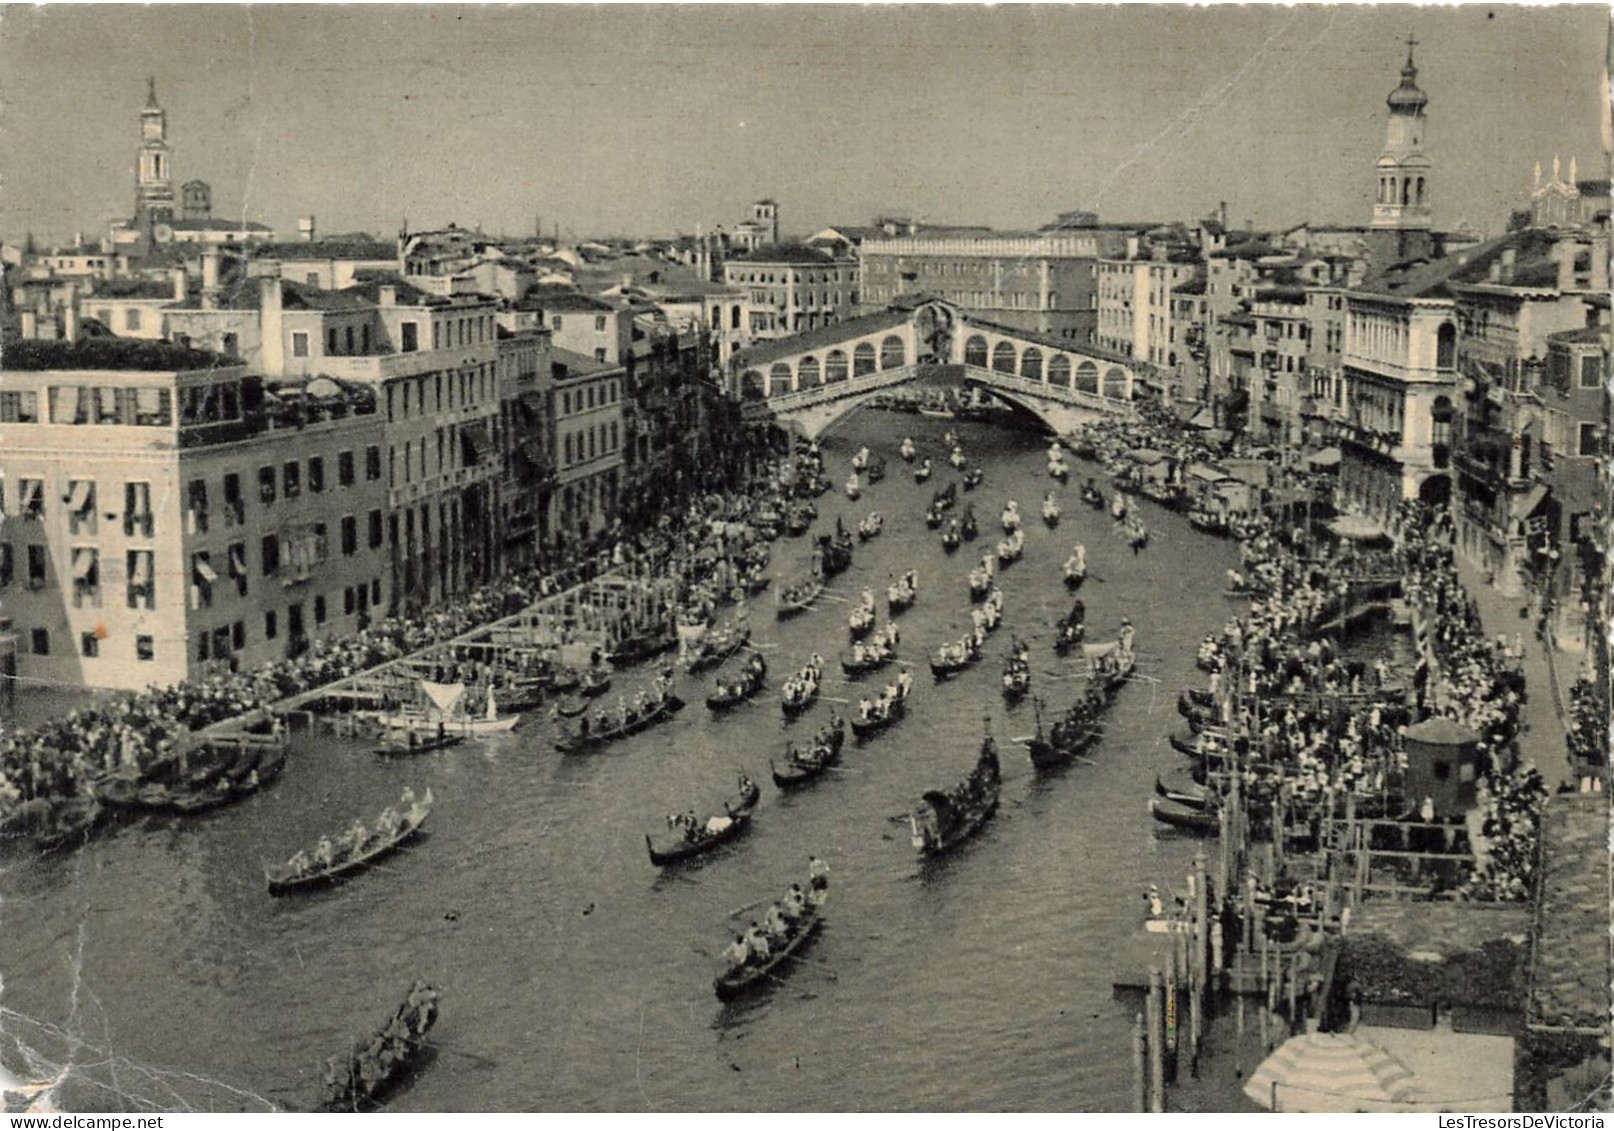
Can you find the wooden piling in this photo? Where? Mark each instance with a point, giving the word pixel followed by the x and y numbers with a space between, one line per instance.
pixel 1140 1077
pixel 1157 1041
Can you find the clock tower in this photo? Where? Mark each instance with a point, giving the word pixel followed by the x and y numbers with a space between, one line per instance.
pixel 154 173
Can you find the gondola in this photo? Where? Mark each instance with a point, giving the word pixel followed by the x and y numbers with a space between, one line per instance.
pixel 876 470
pixel 1093 497
pixel 957 458
pixel 564 680
pixel 807 680
pixel 952 537
pixel 946 498
pixel 1016 675
pixel 1050 514
pixel 730 695
pixel 1191 699
pixel 290 877
pixel 885 713
pixel 644 646
pixel 1069 738
pixel 1192 796
pixel 716 647
pixel 798 597
pixel 1059 470
pixel 934 515
pixel 371 1068
pixel 944 664
pixel 716 830
pixel 870 527
pixel 907 450
pixel 980 585
pixel 581 742
pixel 860 621
pixel 1012 548
pixel 419 745
pixel 822 753
pixel 1202 822
pixel 1185 746
pixel 835 551
pixel 1070 629
pixel 596 682
pixel 922 472
pixel 737 981
pixel 1010 518
pixel 1075 570
pixel 973 478
pixel 944 820
pixel 967 526
pixel 874 658
pixel 798 520
pixel 900 595
pixel 250 773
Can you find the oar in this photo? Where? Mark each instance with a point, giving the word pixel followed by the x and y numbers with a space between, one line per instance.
pixel 746 907
pixel 486 1062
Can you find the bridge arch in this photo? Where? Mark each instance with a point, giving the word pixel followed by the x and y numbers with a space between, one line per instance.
pixel 807 373
pixel 863 359
pixel 893 353
pixel 1059 371
pixel 834 366
pixel 1003 357
pixel 1115 383
pixel 975 351
pixel 1087 378
pixel 1031 364
pixel 780 380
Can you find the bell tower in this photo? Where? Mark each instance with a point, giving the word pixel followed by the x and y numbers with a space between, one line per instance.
pixel 1402 200
pixel 154 172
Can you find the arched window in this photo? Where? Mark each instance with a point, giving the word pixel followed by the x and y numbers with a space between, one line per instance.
pixel 807 373
pixel 975 352
pixel 1445 346
pixel 779 379
pixel 1059 371
pixel 1031 364
pixel 1115 383
pixel 893 353
pixel 1003 357
pixel 863 359
pixel 1420 190
pixel 1087 377
pixel 1406 190
pixel 751 384
pixel 1441 414
pixel 834 367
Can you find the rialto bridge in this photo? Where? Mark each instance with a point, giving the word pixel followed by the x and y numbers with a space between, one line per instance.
pixel 811 380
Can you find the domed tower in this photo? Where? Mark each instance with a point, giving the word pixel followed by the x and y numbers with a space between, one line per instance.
pixel 154 173
pixel 1402 200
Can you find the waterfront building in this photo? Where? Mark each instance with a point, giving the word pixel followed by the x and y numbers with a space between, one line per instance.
pixel 1044 282
pixel 169 515
pixel 794 288
pixel 1134 303
pixel 525 436
pixel 586 404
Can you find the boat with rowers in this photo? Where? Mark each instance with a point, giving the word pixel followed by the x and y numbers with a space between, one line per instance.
pixel 717 645
pixel 1017 672
pixel 907 451
pixel 755 954
pixel 1092 496
pixel 444 712
pixel 1201 822
pixel 952 536
pixel 353 851
pixel 1070 628
pixel 1050 510
pixel 415 744
pixel 956 457
pixel 870 527
pixel 922 472
pixel 871 654
pixel 902 593
pixel 1010 518
pixel 691 837
pixel 876 470
pixel 860 459
pixel 981 576
pixel 801 690
pixel 944 819
pixel 875 715
pixel 967 526
pixel 1012 548
pixel 604 729
pixel 950 659
pixel 803 765
pixel 854 488
pixel 860 621
pixel 798 596
pixel 974 477
pixel 731 693
pixel 364 1075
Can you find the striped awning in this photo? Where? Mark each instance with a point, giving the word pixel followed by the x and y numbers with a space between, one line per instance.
pixel 1332 1072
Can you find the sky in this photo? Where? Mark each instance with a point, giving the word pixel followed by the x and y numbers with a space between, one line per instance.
pixel 655 119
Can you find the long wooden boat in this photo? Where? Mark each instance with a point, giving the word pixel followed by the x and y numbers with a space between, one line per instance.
pixel 900 595
pixel 424 722
pixel 363 1077
pixel 644 646
pixel 1189 796
pixel 716 830
pixel 968 528
pixel 1016 676
pixel 973 478
pixel 717 647
pixel 735 982
pixel 730 695
pixel 284 878
pixel 1093 497
pixel 580 743
pixel 942 666
pixel 1203 822
pixel 876 469
pixel 945 819
pixel 821 754
pixel 418 745
pixel 798 597
pixel 596 682
pixel 880 718
pixel 795 705
pixel 869 663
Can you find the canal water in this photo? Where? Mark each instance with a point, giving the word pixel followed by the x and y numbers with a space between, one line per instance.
pixel 576 976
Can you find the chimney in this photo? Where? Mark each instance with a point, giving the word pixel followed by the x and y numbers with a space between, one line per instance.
pixel 210 277
pixel 30 324
pixel 78 241
pixel 389 295
pixel 271 326
pixel 178 274
pixel 1510 257
pixel 1221 212
pixel 1132 244
pixel 305 229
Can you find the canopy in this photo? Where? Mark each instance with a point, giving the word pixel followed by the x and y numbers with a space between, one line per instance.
pixel 1328 457
pixel 1207 473
pixel 443 695
pixel 1147 455
pixel 1332 1072
pixel 1356 526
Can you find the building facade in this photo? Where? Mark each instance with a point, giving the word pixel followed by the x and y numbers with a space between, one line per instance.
pixel 794 288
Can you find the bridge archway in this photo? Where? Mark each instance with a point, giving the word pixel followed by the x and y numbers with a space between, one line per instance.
pixel 834 367
pixel 807 373
pixel 863 359
pixel 1031 364
pixel 1059 371
pixel 975 351
pixel 1003 357
pixel 893 353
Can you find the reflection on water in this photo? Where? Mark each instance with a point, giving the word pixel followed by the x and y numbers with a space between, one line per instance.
pixel 574 975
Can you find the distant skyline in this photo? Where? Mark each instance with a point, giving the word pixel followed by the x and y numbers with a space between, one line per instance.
pixel 653 120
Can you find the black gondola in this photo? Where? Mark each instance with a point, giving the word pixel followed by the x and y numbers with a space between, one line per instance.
pixel 303 871
pixel 1092 496
pixel 943 820
pixel 419 744
pixel 967 526
pixel 1016 674
pixel 798 596
pixel 717 829
pixel 636 721
pixel 945 663
pixel 596 682
pixel 752 679
pixel 1070 629
pixel 717 647
pixel 1202 822
pixel 973 478
pixel 822 753
pixel 1189 796
pixel 876 470
pixel 883 714
pixel 952 537
pixel 370 1069
pixel 874 657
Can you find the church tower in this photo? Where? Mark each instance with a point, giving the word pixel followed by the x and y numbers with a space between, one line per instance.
pixel 154 173
pixel 1402 202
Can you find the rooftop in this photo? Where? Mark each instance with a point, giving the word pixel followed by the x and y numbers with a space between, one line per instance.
pixel 1086 349
pixel 357 246
pixel 183 225
pixel 785 253
pixel 566 364
pixel 764 352
pixel 36 355
pixel 1569 968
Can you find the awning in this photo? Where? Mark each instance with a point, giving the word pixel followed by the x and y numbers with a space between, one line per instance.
pixel 238 560
pixel 141 574
pixel 204 570
pixel 1146 455
pixel 1206 473
pixel 1356 526
pixel 83 564
pixel 1328 457
pixel 80 497
pixel 1332 1072
pixel 1204 418
pixel 1525 505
